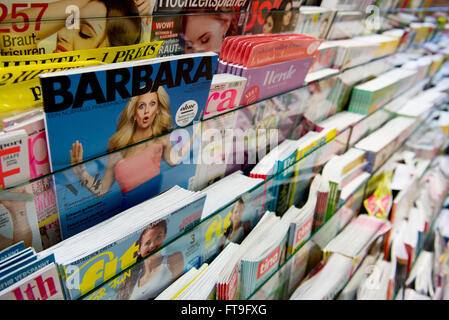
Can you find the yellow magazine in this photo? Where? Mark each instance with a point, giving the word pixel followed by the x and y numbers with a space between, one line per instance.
pixel 379 204
pixel 141 51
pixel 321 140
pixel 43 26
pixel 20 88
pixel 19 75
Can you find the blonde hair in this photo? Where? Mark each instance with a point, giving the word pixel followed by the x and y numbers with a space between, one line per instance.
pixel 126 127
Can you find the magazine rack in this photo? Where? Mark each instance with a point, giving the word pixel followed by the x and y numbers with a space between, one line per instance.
pixel 321 114
pixel 291 268
pixel 281 284
pixel 171 25
pixel 299 173
pixel 69 183
pixel 208 230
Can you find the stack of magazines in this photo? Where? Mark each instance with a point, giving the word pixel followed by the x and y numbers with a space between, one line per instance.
pixel 327 281
pixel 301 220
pixel 356 238
pixel 272 64
pixel 345 171
pixel 226 191
pixel 380 144
pixel 200 284
pixel 258 257
pixel 367 97
pixel 24 275
pixel 81 257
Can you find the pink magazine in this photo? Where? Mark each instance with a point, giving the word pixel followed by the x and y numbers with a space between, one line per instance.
pixel 225 94
pixel 290 48
pixel 235 57
pixel 37 144
pixel 267 81
pixel 277 66
pixel 229 50
pixel 14 167
pixel 43 188
pixel 248 49
pixel 222 64
pixel 230 45
pixel 234 50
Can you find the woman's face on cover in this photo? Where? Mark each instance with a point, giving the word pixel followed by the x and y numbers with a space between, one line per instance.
pixel 287 17
pixel 91 33
pixel 237 212
pixel 268 25
pixel 151 240
pixel 204 33
pixel 147 106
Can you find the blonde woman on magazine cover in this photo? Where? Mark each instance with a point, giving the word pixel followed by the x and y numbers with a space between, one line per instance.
pixel 135 168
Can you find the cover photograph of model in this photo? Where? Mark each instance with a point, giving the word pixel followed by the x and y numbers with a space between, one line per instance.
pixel 144 155
pixel 39 27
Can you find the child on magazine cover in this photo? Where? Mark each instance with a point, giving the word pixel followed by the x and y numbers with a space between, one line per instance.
pixel 155 273
pixel 92 32
pixel 136 169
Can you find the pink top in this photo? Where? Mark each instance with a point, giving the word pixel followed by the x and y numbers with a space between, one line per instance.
pixel 142 166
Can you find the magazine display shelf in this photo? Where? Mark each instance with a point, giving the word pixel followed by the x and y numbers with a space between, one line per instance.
pixel 399 286
pixel 346 137
pixel 307 169
pixel 169 25
pixel 310 165
pixel 242 107
pixel 427 236
pixel 338 145
pixel 278 286
pixel 430 230
pixel 208 226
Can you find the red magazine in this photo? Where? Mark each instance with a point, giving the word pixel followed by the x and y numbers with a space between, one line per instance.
pixel 272 16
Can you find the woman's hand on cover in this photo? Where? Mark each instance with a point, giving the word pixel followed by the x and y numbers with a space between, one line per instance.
pixel 143 6
pixel 76 154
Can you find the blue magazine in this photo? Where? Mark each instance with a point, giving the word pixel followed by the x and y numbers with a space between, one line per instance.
pixel 136 283
pixel 232 223
pixel 96 110
pixel 12 250
pixel 95 190
pixel 91 197
pixel 94 269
